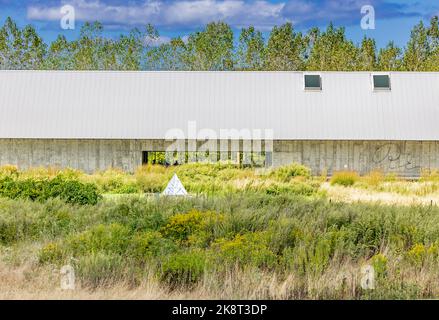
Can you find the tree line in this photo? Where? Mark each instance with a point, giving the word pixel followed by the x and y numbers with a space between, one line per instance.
pixel 215 48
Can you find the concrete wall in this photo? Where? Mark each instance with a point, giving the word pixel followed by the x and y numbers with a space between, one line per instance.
pixel 406 158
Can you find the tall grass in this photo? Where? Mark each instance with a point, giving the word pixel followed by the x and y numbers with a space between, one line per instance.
pixel 241 234
pixel 198 178
pixel 312 246
pixel 345 178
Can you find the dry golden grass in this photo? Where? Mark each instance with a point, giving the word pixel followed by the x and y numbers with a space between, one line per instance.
pixel 353 194
pixel 338 281
pixel 25 282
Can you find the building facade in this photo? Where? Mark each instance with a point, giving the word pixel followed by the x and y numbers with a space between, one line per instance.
pixel 329 121
pixel 404 158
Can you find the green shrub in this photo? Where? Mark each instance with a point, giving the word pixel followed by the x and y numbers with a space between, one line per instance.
pixel 113 238
pixel 285 173
pixel 110 180
pixel 151 179
pixel 296 187
pixel 137 214
pixel 151 183
pixel 183 225
pixel 51 253
pixel 429 175
pixel 374 178
pixel 71 191
pixel 8 170
pixel 127 188
pixel 56 218
pixel 196 170
pixel 250 249
pixel 379 263
pixel 17 221
pixel 183 268
pixel 419 254
pixel 344 178
pixel 99 269
pixel 22 220
pixel 365 233
pixel 312 253
pixel 149 244
pixel 395 290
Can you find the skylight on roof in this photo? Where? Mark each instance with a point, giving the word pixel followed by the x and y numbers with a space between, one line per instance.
pixel 313 82
pixel 381 82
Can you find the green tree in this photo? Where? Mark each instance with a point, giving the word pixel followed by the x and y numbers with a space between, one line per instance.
pixel 10 45
pixel 367 59
pixel 33 49
pixel 433 37
pixel 210 49
pixel 332 51
pixel 389 58
pixel 92 51
pixel 20 49
pixel 168 56
pixel 285 49
pixel 130 50
pixel 250 54
pixel 88 50
pixel 418 49
pixel 59 55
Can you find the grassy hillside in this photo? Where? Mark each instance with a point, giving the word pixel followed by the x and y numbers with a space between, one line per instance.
pixel 230 239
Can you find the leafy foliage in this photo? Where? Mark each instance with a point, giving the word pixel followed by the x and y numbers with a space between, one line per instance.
pixel 71 191
pixel 285 173
pixel 345 178
pixel 285 49
pixel 181 226
pixel 213 48
pixel 183 241
pixel 183 268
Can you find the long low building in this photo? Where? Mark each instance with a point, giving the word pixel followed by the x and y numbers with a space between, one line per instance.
pixel 329 121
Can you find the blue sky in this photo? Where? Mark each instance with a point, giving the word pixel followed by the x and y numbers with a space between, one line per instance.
pixel 394 18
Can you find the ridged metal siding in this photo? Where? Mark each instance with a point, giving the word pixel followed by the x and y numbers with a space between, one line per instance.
pixel 145 105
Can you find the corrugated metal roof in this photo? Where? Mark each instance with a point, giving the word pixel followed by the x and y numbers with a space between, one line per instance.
pixel 145 105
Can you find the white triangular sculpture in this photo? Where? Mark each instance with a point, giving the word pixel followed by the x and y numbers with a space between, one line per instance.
pixel 175 188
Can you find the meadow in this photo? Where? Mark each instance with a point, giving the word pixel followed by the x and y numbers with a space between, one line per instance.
pixel 242 234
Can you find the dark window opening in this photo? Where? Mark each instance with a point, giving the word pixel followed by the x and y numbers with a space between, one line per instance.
pixel 144 157
pixel 153 157
pixel 244 159
pixel 313 82
pixel 381 82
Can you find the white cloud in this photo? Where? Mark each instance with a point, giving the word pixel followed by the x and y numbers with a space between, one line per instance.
pixel 167 13
pixel 98 10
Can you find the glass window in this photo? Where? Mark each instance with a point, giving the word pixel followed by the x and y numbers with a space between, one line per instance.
pixel 313 82
pixel 381 82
